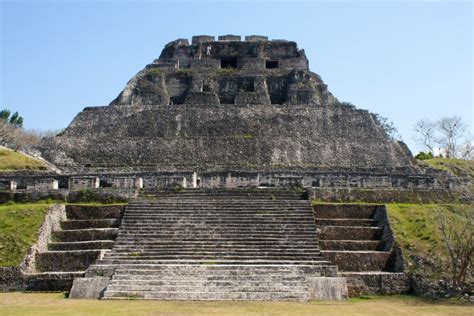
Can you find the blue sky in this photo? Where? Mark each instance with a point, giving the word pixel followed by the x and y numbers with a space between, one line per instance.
pixel 404 60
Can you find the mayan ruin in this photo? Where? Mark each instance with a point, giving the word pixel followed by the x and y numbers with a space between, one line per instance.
pixel 230 175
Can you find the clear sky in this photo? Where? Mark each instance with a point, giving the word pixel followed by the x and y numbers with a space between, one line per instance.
pixel 406 60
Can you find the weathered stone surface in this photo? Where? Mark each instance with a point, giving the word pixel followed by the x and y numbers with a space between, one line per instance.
pixel 88 288
pixel 227 103
pixel 334 289
pixel 205 136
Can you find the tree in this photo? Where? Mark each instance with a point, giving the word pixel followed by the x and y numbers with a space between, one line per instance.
pixel 12 133
pixel 451 130
pixel 426 134
pixel 15 120
pixel 459 241
pixel 449 134
pixel 387 126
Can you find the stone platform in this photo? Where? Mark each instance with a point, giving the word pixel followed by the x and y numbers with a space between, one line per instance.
pixel 209 247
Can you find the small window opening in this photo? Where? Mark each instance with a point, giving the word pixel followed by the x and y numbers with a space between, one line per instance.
pixel 229 62
pixel 248 87
pixel 271 64
pixel 104 184
pixel 206 88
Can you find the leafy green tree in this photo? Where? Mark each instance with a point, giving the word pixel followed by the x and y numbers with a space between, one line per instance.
pixel 424 156
pixel 16 120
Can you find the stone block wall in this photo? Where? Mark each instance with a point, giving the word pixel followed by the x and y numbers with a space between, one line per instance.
pixel 42 184
pixel 78 182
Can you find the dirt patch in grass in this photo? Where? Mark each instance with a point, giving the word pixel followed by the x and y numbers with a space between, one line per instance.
pixel 19 225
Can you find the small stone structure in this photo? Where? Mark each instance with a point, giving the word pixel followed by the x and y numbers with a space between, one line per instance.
pixel 83 182
pixel 8 185
pixel 42 184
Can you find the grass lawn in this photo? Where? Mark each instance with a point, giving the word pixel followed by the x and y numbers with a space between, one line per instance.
pixel 19 224
pixel 12 161
pixel 54 304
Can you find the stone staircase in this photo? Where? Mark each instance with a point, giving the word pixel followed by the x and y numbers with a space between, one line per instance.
pixel 359 240
pixel 88 232
pixel 220 245
pixel 234 194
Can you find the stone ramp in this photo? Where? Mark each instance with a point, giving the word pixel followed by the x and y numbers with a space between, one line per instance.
pixel 218 249
pixel 358 239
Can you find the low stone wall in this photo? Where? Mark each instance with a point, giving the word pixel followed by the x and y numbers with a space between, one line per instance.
pixel 383 195
pixel 377 284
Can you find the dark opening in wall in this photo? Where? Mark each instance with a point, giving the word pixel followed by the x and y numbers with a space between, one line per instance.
pixel 206 88
pixel 248 87
pixel 271 64
pixel 229 62
pixel 104 184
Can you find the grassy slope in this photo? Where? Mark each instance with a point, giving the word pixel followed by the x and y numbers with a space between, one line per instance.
pixel 417 233
pixel 12 161
pixel 461 168
pixel 55 304
pixel 19 226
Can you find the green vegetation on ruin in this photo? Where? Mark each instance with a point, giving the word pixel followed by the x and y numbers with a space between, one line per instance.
pixel 55 304
pixel 459 167
pixel 14 161
pixel 19 225
pixel 416 231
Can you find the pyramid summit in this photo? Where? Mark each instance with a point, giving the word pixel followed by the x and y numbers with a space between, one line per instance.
pixel 227 104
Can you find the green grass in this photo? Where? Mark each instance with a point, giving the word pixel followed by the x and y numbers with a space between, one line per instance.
pixel 55 304
pixel 19 224
pixel 13 161
pixel 417 233
pixel 459 167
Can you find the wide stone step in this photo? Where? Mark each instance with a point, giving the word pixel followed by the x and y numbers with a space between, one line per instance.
pixel 205 242
pixel 209 247
pixel 209 296
pixel 349 232
pixel 280 239
pixel 221 207
pixel 362 211
pixel 157 264
pixel 210 257
pixel 51 281
pixel 90 223
pixel 215 232
pixel 217 220
pixel 345 222
pixel 75 260
pixel 358 260
pixel 94 212
pixel 85 234
pixel 350 244
pixel 231 287
pixel 81 245
pixel 153 278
